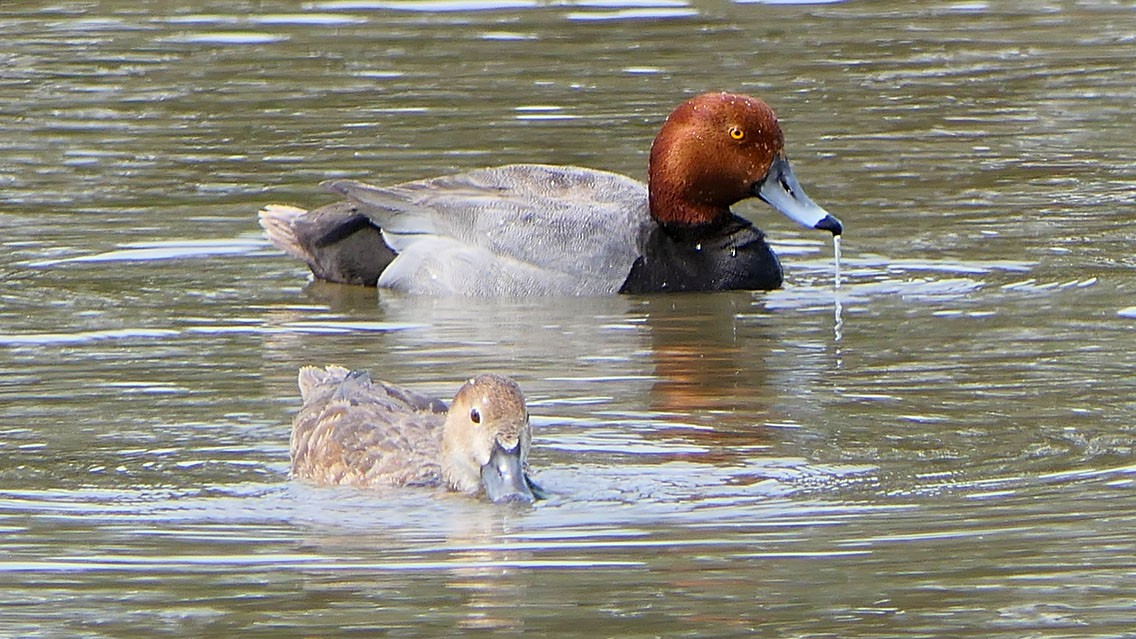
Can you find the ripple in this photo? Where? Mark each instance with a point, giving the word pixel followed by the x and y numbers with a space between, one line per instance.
pixel 660 13
pixel 227 38
pixel 321 19
pixel 229 562
pixel 81 337
pixel 427 5
pixel 350 327
pixel 788 2
pixel 167 250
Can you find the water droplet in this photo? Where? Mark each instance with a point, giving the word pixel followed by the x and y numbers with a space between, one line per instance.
pixel 836 259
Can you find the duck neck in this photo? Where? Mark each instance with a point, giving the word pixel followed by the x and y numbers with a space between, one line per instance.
pixel 722 226
pixel 729 254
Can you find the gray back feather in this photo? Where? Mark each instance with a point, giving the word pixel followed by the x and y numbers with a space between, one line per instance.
pixel 516 229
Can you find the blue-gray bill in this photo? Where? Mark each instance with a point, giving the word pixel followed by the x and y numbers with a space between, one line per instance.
pixel 503 476
pixel 781 190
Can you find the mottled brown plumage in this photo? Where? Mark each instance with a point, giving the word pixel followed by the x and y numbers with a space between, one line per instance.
pixel 355 431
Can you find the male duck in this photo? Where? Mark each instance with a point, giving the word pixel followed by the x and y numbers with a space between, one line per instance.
pixel 352 430
pixel 532 229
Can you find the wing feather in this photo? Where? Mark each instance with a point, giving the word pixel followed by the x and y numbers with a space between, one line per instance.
pixel 522 229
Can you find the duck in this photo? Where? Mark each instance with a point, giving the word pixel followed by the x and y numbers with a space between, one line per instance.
pixel 538 229
pixel 356 431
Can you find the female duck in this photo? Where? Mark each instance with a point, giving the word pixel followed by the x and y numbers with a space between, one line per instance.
pixel 530 229
pixel 352 430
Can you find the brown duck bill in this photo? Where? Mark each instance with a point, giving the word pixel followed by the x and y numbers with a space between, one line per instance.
pixel 780 189
pixel 503 476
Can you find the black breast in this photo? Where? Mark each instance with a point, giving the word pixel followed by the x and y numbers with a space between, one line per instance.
pixel 732 255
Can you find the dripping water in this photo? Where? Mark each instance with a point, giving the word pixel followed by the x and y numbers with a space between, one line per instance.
pixel 838 325
pixel 836 260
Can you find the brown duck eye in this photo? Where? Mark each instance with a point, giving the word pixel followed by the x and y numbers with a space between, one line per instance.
pixel 736 133
pixel 474 416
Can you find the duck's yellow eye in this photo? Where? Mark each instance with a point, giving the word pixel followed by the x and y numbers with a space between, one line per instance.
pixel 475 415
pixel 736 133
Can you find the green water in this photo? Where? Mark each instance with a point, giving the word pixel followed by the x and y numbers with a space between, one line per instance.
pixel 942 446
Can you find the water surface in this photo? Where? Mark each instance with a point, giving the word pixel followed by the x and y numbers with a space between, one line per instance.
pixel 941 447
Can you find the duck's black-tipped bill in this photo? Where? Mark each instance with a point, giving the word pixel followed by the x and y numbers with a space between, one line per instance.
pixel 503 476
pixel 830 224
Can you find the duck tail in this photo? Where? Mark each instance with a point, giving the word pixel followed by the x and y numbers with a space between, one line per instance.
pixel 312 378
pixel 337 243
pixel 279 224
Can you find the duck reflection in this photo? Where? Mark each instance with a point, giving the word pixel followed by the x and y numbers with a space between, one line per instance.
pixel 711 367
pixel 446 563
pixel 706 357
pixel 666 361
pixel 487 574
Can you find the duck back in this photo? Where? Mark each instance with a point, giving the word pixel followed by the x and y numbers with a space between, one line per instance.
pixel 520 229
pixel 352 430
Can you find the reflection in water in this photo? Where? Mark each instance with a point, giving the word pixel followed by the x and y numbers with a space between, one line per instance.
pixel 488 583
pixel 468 560
pixel 701 361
